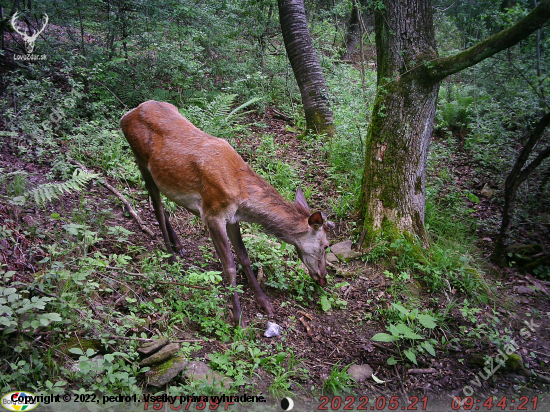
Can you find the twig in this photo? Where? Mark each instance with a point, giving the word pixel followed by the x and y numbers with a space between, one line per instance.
pixel 307 315
pixel 420 371
pixel 308 329
pixel 126 107
pixel 150 340
pixel 282 115
pixel 401 382
pixel 361 239
pixel 122 199
pixel 160 281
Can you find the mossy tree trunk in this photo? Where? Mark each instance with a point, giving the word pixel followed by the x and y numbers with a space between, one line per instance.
pixel 409 74
pixel 306 67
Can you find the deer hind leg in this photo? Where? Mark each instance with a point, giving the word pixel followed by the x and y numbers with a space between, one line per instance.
pixel 218 233
pixel 234 233
pixel 171 240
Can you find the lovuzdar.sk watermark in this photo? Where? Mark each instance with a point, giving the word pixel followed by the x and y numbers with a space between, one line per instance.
pixel 29 39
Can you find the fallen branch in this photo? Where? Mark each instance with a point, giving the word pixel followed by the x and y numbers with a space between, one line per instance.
pixel 421 371
pixel 158 281
pixel 151 340
pixel 123 200
pixel 308 329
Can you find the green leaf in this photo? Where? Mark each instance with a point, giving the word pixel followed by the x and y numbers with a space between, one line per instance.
pixel 407 332
pixel 383 337
pixel 392 361
pixel 405 312
pixel 325 304
pixel 427 321
pixel 409 353
pixel 428 347
pixel 76 351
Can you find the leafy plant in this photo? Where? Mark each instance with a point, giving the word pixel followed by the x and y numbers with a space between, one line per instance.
pixel 51 191
pixel 407 331
pixel 339 381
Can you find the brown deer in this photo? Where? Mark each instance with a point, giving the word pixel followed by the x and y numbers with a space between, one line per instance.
pixel 207 177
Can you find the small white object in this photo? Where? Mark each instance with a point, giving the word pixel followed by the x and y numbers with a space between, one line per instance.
pixel 272 330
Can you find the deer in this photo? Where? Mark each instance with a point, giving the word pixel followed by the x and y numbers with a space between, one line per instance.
pixel 29 40
pixel 206 176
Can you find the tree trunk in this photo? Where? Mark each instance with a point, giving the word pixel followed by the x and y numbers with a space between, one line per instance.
pixel 409 73
pixel 353 30
pixel 517 176
pixel 398 136
pixel 306 67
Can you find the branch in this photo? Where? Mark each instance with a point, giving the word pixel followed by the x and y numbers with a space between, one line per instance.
pixel 123 200
pixel 500 41
pixel 518 174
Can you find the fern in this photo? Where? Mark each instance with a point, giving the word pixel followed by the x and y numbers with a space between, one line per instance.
pixel 51 191
pixel 216 117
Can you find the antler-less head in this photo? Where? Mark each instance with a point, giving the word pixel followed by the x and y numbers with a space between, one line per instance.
pixel 29 40
pixel 312 245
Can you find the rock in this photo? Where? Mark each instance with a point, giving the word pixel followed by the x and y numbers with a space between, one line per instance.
pixel 152 346
pixel 344 252
pixel 94 370
pixel 160 375
pixel 486 191
pixel 272 330
pixel 161 355
pixel 360 373
pixel 331 258
pixel 521 249
pixel 84 345
pixel 415 289
pixel 524 290
pixel 199 371
pixel 513 363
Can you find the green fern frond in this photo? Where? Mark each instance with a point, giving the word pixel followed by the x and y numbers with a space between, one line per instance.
pixel 220 107
pixel 52 191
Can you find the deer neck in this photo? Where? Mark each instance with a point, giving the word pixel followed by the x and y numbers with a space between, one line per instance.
pixel 279 217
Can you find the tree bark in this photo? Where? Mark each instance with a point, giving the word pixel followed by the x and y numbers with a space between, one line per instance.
pixel 306 67
pixel 393 190
pixel 353 29
pixel 409 74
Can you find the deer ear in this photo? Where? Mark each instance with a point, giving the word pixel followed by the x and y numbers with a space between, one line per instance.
pixel 315 220
pixel 300 201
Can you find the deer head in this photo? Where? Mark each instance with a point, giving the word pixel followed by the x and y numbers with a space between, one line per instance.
pixel 29 40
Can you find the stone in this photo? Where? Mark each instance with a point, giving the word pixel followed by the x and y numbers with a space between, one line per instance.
pixel 200 371
pixel 160 375
pixel 272 330
pixel 415 289
pixel 360 373
pixel 331 258
pixel 523 290
pixel 165 353
pixel 344 252
pixel 153 346
pixel 486 191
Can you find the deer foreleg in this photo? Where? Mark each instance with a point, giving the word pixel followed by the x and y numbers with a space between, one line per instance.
pixel 168 233
pixel 234 233
pixel 218 233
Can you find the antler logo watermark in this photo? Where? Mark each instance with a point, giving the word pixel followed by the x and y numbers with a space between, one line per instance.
pixel 29 40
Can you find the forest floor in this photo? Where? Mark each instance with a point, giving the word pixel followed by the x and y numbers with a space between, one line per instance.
pixel 339 336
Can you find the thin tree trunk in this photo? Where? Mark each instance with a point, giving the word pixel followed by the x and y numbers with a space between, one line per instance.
pixel 517 176
pixel 306 67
